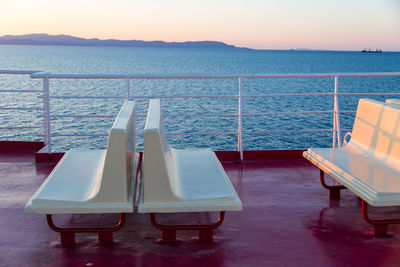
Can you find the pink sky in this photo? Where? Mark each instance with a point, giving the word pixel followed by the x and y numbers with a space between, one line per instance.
pixel 263 24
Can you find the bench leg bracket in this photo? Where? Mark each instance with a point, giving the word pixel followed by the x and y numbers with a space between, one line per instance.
pixel 205 231
pixel 68 234
pixel 334 190
pixel 380 226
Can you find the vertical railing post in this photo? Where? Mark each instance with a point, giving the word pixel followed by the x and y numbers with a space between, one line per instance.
pixel 336 121
pixel 46 114
pixel 128 88
pixel 240 140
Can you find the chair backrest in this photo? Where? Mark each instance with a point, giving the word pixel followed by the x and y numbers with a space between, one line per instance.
pixel 376 130
pixel 119 160
pixel 158 167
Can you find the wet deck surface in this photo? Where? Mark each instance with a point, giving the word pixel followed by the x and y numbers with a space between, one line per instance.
pixel 287 220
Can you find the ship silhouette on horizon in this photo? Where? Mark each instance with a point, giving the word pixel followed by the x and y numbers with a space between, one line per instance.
pixel 371 51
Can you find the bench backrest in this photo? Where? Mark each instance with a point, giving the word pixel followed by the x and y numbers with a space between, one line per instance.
pixel 119 160
pixel 158 167
pixel 376 130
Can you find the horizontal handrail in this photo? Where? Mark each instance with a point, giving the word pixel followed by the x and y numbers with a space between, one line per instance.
pixel 16 108
pixel 205 133
pixel 140 134
pixel 20 91
pixel 19 71
pixel 137 97
pixel 203 115
pixel 141 115
pixel 208 133
pixel 319 94
pixel 287 113
pixel 361 93
pixel 73 135
pixel 20 127
pixel 189 76
pixel 291 131
pixel 210 96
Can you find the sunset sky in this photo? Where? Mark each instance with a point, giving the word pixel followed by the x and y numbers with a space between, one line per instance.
pixel 262 24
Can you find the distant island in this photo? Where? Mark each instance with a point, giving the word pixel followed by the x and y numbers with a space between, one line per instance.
pixel 67 40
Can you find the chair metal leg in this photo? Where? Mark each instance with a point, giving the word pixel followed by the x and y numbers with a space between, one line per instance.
pixel 205 230
pixel 380 226
pixel 334 190
pixel 68 234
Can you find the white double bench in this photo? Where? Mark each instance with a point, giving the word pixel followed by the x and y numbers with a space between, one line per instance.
pixel 93 181
pixel 181 180
pixel 369 164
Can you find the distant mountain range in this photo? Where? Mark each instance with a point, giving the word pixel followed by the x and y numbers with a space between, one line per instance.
pixel 46 39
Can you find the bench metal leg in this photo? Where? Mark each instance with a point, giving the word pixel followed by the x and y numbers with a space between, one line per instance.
pixel 67 238
pixel 169 235
pixel 106 237
pixel 205 234
pixel 205 231
pixel 68 234
pixel 334 190
pixel 380 226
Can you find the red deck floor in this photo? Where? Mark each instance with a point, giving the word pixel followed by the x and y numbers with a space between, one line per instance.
pixel 287 220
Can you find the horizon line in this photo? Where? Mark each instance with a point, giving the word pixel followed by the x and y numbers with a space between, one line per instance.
pixel 182 42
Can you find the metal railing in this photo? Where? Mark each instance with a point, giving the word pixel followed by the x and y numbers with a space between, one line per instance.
pixel 336 130
pixel 31 91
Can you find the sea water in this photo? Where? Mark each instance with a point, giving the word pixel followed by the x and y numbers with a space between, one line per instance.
pixel 259 130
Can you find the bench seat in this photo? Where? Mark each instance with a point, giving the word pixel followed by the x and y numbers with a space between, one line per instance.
pixel 72 187
pixel 94 181
pixel 201 185
pixel 197 169
pixel 369 178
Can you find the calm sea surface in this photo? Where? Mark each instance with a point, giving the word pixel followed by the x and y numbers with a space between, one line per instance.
pixel 158 61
